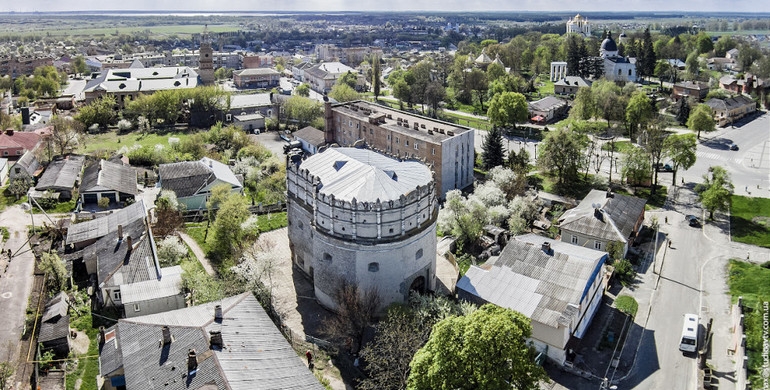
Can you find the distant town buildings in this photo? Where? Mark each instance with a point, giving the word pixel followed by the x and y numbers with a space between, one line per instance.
pixel 616 68
pixel 206 62
pixel 127 84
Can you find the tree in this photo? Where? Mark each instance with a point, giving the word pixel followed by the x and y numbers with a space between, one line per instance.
pixel 466 219
pixel 356 308
pixel 493 155
pixel 171 251
pixel 223 73
pixel 79 65
pixel 561 152
pixel 638 113
pixel 476 81
pixel 302 90
pixel 376 76
pixel 609 102
pixel 647 61
pixel 20 185
pixel 508 108
pixel 343 93
pixel 652 141
pixel 167 214
pixel 510 181
pixel 302 110
pixel 228 239
pixel 201 287
pixel 692 64
pixel 636 166
pixel 65 136
pixel 434 95
pixel 680 148
pixel 55 271
pixel 701 119
pixel 525 209
pixel 716 190
pixel 584 107
pixel 348 78
pixel 683 113
pixel 457 354
pixel 100 112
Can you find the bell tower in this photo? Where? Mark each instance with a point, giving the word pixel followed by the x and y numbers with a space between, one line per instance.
pixel 206 60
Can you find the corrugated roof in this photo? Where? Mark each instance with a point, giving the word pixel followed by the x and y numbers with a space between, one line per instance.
pixel 310 135
pixel 255 353
pixel 541 286
pixel 61 174
pixel 186 178
pixel 168 285
pixel 105 175
pixel 250 101
pixel 365 175
pixel 100 227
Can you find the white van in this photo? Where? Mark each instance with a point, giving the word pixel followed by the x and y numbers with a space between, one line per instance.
pixel 689 341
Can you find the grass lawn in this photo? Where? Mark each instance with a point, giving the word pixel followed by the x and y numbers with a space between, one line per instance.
pixel 653 201
pixel 111 141
pixel 627 304
pixel 750 281
pixel 545 86
pixel 272 221
pixel 197 231
pixel 577 190
pixel 750 220
pixel 62 207
pixel 464 120
pixel 620 146
pixel 6 199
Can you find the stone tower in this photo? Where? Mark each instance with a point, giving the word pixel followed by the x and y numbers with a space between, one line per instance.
pixel 206 61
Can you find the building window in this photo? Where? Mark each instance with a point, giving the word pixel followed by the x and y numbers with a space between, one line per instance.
pixel 136 307
pixel 371 131
pixel 374 267
pixel 327 257
pixel 574 239
pixel 388 137
pixel 415 146
pixel 116 295
pixel 390 230
pixel 433 151
pixel 396 140
pixel 629 72
pixel 418 254
pixel 406 142
pixel 598 245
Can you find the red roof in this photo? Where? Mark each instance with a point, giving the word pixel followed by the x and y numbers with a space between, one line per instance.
pixel 24 140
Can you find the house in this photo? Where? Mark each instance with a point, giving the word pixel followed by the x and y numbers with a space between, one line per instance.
pixel 298 70
pixel 127 84
pixel 695 89
pixel 721 63
pixel 104 179
pixel 547 109
pixel 255 103
pixel 83 234
pixel 27 167
pixel 13 143
pixel 732 54
pixel 559 286
pixel 193 181
pixel 727 111
pixel 62 176
pixel 310 138
pixel 226 344
pixel 745 85
pixel 123 257
pixel 603 217
pixel 323 76
pixel 3 171
pixel 257 78
pixel 54 326
pixel 569 85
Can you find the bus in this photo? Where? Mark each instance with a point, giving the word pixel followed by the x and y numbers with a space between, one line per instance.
pixel 689 341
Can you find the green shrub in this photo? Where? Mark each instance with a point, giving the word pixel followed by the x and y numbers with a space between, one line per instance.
pixel 624 271
pixel 627 304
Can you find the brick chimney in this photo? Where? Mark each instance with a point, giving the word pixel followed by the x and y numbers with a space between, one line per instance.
pixel 215 339
pixel 192 361
pixel 120 232
pixel 546 247
pixel 328 121
pixel 218 313
pixel 166 335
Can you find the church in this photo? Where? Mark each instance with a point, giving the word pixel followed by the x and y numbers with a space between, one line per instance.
pixel 616 68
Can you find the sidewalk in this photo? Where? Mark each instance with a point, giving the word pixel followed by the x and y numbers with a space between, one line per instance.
pixel 198 251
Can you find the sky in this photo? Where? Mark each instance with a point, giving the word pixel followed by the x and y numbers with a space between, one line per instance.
pixel 394 5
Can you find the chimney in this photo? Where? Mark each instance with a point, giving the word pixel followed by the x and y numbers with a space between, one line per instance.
pixel 166 335
pixel 192 361
pixel 328 121
pixel 218 313
pixel 101 335
pixel 120 232
pixel 215 339
pixel 129 242
pixel 546 247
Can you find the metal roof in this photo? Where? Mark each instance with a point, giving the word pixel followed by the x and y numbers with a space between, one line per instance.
pixel 186 178
pixel 255 354
pixel 105 176
pixel 93 229
pixel 545 287
pixel 61 174
pixel 600 216
pixel 168 285
pixel 367 176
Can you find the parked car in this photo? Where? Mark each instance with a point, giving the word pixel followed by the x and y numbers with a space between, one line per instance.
pixel 692 220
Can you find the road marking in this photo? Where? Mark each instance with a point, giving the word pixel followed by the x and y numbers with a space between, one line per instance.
pixel 7 295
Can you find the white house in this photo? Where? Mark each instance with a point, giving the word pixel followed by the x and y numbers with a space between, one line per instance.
pixel 557 285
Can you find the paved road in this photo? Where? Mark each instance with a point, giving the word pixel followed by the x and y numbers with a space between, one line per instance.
pixel 15 278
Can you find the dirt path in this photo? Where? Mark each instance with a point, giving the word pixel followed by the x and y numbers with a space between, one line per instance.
pixel 198 251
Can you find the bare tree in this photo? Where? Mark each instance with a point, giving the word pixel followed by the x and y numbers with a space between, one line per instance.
pixel 356 310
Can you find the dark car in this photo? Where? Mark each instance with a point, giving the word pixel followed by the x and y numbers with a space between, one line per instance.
pixel 733 147
pixel 692 220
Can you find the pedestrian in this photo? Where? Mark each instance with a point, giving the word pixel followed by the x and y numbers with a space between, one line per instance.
pixel 666 219
pixel 669 243
pixel 309 356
